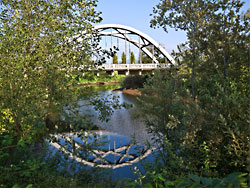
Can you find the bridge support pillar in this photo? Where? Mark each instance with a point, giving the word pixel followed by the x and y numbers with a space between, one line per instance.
pixel 98 74
pixel 140 73
pixel 127 73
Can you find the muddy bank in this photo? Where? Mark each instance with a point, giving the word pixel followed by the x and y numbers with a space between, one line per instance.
pixel 133 92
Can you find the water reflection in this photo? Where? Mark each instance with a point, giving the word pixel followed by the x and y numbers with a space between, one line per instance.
pixel 121 121
pixel 108 150
pixel 120 145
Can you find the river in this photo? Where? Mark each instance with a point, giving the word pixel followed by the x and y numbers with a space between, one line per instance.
pixel 123 121
pixel 124 138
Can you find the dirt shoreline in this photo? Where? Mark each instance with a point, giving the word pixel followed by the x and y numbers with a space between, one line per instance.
pixel 133 92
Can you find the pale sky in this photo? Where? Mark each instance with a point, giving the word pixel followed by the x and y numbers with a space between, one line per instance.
pixel 136 14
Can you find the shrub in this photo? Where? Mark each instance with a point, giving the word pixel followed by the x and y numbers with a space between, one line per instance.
pixel 134 81
pixel 208 136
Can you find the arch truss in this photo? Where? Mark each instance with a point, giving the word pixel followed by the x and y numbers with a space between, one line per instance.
pixel 143 43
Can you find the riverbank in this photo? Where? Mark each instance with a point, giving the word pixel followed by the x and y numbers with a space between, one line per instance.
pixel 133 92
pixel 99 83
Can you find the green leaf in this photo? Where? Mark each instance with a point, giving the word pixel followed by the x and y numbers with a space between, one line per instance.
pixel 161 178
pixel 196 185
pixel 216 182
pixel 183 182
pixel 16 186
pixel 206 181
pixel 194 178
pixel 148 185
pixel 29 186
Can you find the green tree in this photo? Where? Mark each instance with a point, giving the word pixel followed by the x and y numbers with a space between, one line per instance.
pixel 124 58
pixel 115 59
pixel 197 114
pixel 206 131
pixel 215 32
pixel 132 58
pixel 147 60
pixel 39 50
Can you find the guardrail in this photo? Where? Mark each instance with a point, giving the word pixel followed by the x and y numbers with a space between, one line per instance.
pixel 118 67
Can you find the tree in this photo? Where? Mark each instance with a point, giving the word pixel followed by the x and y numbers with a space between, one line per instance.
pixel 115 59
pixel 197 114
pixel 124 58
pixel 132 58
pixel 206 137
pixel 39 50
pixel 147 60
pixel 214 30
pixel 37 43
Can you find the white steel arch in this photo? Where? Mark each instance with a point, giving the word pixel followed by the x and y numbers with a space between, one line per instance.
pixel 122 31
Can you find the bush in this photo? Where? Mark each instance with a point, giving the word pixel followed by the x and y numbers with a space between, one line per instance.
pixel 208 136
pixel 154 179
pixel 134 81
pixel 35 169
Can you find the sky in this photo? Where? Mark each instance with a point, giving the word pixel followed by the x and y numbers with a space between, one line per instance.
pixel 136 14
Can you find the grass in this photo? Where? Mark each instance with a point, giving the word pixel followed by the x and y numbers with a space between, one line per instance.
pixel 91 77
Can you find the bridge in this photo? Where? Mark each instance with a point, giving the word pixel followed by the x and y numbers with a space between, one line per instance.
pixel 131 68
pixel 143 43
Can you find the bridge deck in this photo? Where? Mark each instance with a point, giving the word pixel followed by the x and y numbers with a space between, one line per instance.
pixel 120 67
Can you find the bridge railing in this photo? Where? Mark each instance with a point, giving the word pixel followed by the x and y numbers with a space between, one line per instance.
pixel 133 66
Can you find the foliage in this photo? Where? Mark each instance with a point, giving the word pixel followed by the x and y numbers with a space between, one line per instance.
pixel 218 37
pixel 124 58
pixel 115 59
pixel 158 180
pixel 40 53
pixel 90 77
pixel 159 107
pixel 132 58
pixel 199 116
pixel 37 170
pixel 207 136
pixel 134 81
pixel 147 60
